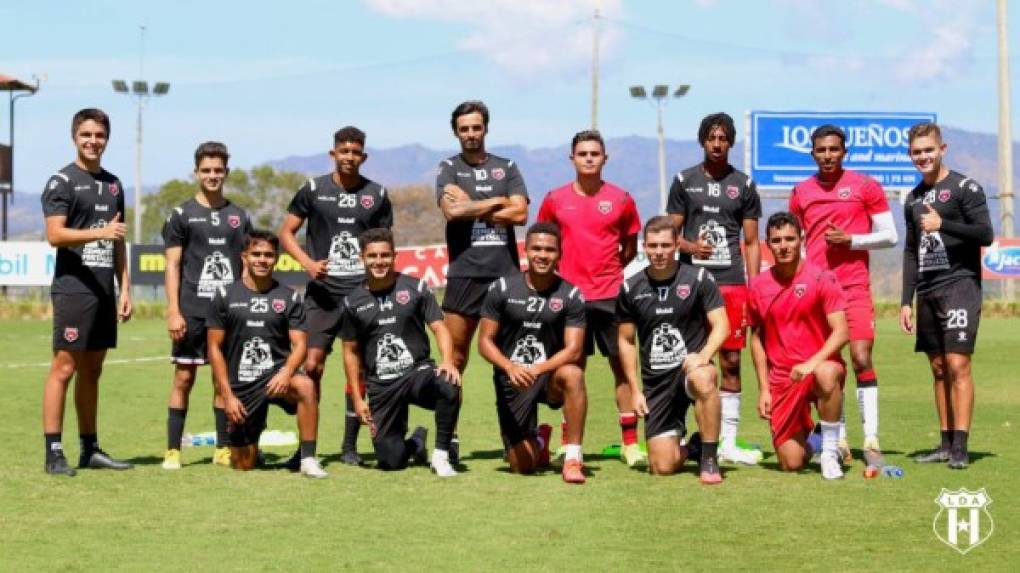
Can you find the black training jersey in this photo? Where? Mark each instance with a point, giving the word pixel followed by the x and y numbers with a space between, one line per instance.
pixel 89 201
pixel 389 326
pixel 336 217
pixel 479 249
pixel 211 241
pixel 670 316
pixel 257 329
pixel 715 209
pixel 954 251
pixel 532 323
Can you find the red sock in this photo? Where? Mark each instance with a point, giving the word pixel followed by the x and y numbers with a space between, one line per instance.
pixel 563 433
pixel 628 426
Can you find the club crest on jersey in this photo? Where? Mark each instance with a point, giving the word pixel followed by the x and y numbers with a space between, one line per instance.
pixel 732 192
pixel 498 173
pixel 683 291
pixel 71 333
pixel 367 201
pixel 844 193
pixel 944 195
pixel 800 290
pixel 114 189
pixel 555 304
pixel 234 221
pixel 403 297
pixel 279 305
pixel 605 207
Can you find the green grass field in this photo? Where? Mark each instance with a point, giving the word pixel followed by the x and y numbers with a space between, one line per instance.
pixel 486 519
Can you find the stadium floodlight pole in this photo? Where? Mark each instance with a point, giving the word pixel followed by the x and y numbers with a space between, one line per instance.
pixel 595 71
pixel 27 90
pixel 660 95
pixel 1005 138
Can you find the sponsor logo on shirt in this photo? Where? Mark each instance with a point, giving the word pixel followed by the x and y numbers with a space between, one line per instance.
pixel 385 321
pixel 532 324
pixel 71 333
pixel 660 310
pixel 710 209
pixel 463 174
pixel 605 207
pixel 364 307
pixel 367 201
pixel 76 187
pixel 196 219
pixel 800 290
pixel 481 174
pixel 683 291
pixel 555 304
pixel 114 189
pixel 279 305
pixel 844 193
pixel 732 192
pixel 498 173
pixel 238 305
pixel 643 296
pixel 944 195
pixel 101 207
pixel 483 188
pixel 345 220
pixel 217 241
pixel 234 221
pixel 516 301
pixel 325 198
pixel 255 323
pixel 695 189
pixel 403 297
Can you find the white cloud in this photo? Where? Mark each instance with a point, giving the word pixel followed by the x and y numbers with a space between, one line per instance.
pixel 525 38
pixel 947 30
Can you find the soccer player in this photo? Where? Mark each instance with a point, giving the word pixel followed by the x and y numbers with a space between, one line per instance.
pixel 532 331
pixel 678 314
pixel 599 222
pixel 844 215
pixel 84 209
pixel 338 206
pixel 256 346
pixel 204 237
pixel 799 302
pixel 947 224
pixel 716 208
pixel 383 331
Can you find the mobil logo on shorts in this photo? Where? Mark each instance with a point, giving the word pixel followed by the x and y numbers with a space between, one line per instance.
pixel 1002 259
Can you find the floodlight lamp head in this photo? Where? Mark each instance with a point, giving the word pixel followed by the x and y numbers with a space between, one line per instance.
pixel 161 88
pixel 660 91
pixel 682 90
pixel 638 92
pixel 140 87
pixel 120 86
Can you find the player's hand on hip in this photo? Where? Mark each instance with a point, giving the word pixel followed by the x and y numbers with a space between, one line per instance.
pixel 317 270
pixel 176 326
pixel 520 377
pixel 235 410
pixel 639 403
pixel 124 308
pixel 931 221
pixel 278 385
pixel 907 319
pixel 836 236
pixel 448 371
pixel 765 405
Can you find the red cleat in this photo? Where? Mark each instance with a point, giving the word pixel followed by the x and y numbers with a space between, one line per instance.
pixel 573 472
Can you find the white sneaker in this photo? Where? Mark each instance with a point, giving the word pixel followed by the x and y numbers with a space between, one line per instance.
pixel 310 468
pixel 441 464
pixel 831 469
pixel 730 453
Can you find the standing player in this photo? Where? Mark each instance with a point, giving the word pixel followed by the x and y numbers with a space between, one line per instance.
pixel 797 301
pixel 383 330
pixel 338 206
pixel 256 346
pixel 204 238
pixel 947 224
pixel 712 204
pixel 532 331
pixel 844 214
pixel 84 210
pixel 600 223
pixel 668 306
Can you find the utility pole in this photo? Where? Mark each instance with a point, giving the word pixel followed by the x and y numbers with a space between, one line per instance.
pixel 595 71
pixel 1005 138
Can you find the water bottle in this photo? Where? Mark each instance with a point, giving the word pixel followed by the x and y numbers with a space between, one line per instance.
pixel 202 439
pixel 895 472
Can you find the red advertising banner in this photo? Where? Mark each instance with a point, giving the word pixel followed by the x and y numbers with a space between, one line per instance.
pixel 1001 260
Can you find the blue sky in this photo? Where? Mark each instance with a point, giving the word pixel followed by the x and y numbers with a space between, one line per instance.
pixel 276 79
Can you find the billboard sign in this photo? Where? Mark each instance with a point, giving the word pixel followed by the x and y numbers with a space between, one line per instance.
pixel 1001 260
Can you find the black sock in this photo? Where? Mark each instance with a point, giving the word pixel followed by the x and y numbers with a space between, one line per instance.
pixel 175 427
pixel 447 412
pixel 307 449
pixel 352 424
pixel 222 437
pixel 960 440
pixel 708 450
pixel 54 445
pixel 947 439
pixel 89 443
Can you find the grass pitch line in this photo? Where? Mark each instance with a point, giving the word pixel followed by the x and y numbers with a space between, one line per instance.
pixel 105 362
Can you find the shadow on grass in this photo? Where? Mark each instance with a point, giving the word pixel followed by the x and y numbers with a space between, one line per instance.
pixel 145 460
pixel 974 456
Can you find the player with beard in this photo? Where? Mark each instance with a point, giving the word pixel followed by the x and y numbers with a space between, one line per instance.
pixel 947 224
pixel 667 306
pixel 532 331
pixel 338 206
pixel 84 209
pixel 383 333
pixel 204 237
pixel 716 208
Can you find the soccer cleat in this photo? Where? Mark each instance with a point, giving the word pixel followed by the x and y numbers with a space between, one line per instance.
pixel 831 468
pixel 441 465
pixel 544 432
pixel 350 457
pixel 710 474
pixel 98 459
pixel 936 456
pixel 454 451
pixel 311 468
pixel 846 457
pixel 172 460
pixel 573 472
pixel 419 436
pixel 730 453
pixel 694 447
pixel 958 459
pixel 221 457
pixel 632 455
pixel 57 465
pixel 873 460
pixel 293 463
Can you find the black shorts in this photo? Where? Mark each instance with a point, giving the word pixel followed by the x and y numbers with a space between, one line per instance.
pixel 389 401
pixel 668 402
pixel 323 313
pixel 948 318
pixel 518 409
pixel 465 295
pixel 247 433
pixel 84 321
pixel 601 329
pixel 192 348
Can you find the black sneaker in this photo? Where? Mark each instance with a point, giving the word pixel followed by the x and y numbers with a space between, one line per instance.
pixel 454 451
pixel 100 460
pixel 936 456
pixel 294 462
pixel 694 447
pixel 958 459
pixel 350 457
pixel 420 456
pixel 57 465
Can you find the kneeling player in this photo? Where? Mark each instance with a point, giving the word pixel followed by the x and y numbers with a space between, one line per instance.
pixel 532 331
pixel 383 329
pixel 668 305
pixel 256 343
pixel 799 326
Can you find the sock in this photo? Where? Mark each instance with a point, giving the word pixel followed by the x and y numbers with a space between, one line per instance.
pixel 628 427
pixel 307 448
pixel 947 439
pixel 89 443
pixel 960 440
pixel 54 445
pixel 830 437
pixel 730 417
pixel 573 452
pixel 708 450
pixel 867 402
pixel 174 427
pixel 222 437
pixel 352 424
pixel 842 421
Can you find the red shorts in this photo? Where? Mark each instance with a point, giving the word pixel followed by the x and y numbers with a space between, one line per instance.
pixel 860 313
pixel 735 297
pixel 791 407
